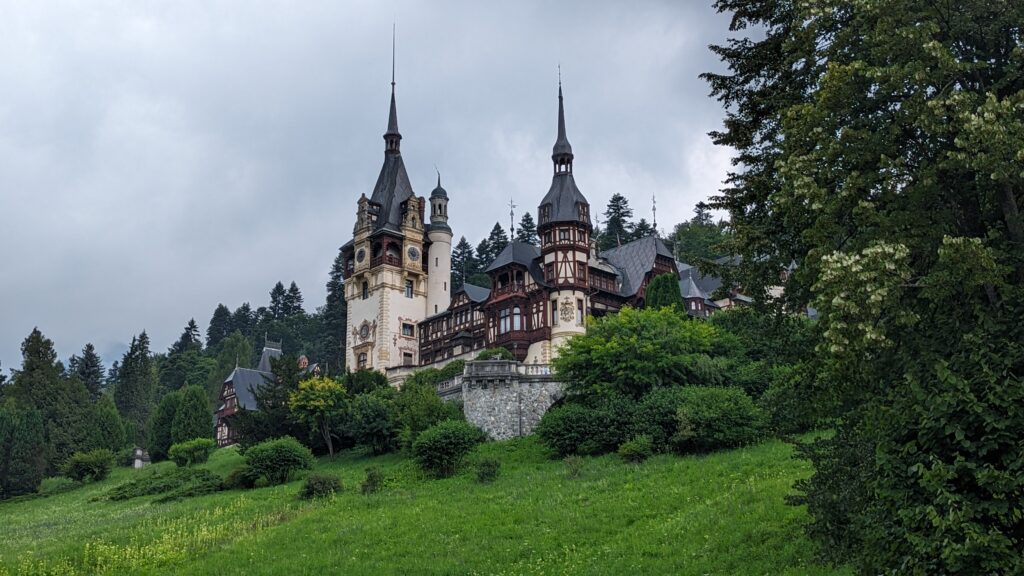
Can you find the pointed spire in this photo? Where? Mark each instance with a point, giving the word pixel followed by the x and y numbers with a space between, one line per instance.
pixel 561 154
pixel 392 137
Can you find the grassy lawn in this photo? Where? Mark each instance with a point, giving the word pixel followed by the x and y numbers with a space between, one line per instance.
pixel 720 514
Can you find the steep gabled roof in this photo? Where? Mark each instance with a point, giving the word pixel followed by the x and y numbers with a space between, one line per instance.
pixel 634 260
pixel 270 351
pixel 705 282
pixel 245 382
pixel 391 190
pixel 516 252
pixel 476 293
pixel 564 198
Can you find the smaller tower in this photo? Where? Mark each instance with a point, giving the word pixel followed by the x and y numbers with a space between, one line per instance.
pixel 439 264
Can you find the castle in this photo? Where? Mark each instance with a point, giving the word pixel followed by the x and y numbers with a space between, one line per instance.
pixel 402 312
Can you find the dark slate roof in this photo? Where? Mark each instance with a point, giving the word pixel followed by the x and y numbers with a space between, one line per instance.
pixel 391 190
pixel 689 289
pixel 393 116
pixel 245 381
pixel 562 146
pixel 564 198
pixel 269 352
pixel 476 293
pixel 439 192
pixel 705 282
pixel 634 260
pixel 516 252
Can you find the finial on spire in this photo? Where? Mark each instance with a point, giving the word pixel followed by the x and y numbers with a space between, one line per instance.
pixel 392 137
pixel 393 28
pixel 561 154
pixel 438 175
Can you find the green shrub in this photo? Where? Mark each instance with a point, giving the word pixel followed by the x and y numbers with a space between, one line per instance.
pixel 92 465
pixel 374 480
pixel 276 459
pixel 487 470
pixel 495 354
pixel 241 478
pixel 319 486
pixel 375 421
pixel 636 450
pixel 573 466
pixel 162 481
pixel 790 401
pixel 716 418
pixel 657 416
pixel 452 369
pixel 440 449
pixel 597 427
pixel 191 452
pixel 199 485
pixel 57 485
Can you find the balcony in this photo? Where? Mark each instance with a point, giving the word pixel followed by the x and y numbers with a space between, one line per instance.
pixel 514 288
pixel 386 259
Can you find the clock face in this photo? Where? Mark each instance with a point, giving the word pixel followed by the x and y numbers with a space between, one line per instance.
pixel 414 254
pixel 364 331
pixel 360 255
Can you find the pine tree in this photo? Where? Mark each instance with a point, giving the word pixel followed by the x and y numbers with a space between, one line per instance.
pixel 89 370
pixel 243 319
pixel 112 374
pixel 22 450
pixel 160 436
pixel 334 319
pixel 641 230
pixel 663 291
pixel 527 231
pixel 483 255
pixel 277 302
pixel 291 302
pixel 220 326
pixel 189 339
pixel 617 223
pixel 463 263
pixel 496 241
pixel 106 429
pixel 193 418
pixel 136 386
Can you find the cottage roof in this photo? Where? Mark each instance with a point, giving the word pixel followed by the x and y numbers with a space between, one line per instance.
pixel 245 382
pixel 634 260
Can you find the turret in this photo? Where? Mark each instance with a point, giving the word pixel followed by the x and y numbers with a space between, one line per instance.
pixel 439 264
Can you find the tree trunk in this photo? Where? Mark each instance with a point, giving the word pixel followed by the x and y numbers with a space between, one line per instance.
pixel 327 438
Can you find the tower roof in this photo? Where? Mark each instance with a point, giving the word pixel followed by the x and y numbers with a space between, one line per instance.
pixel 439 192
pixel 562 147
pixel 564 200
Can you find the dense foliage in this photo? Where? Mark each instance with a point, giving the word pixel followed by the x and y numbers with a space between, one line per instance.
pixel 663 292
pixel 160 437
pixel 191 452
pixel 163 481
pixel 711 419
pixel 22 450
pixel 320 486
pixel 321 404
pixel 92 465
pixel 439 450
pixel 878 146
pixel 636 449
pixel 277 459
pixel 192 419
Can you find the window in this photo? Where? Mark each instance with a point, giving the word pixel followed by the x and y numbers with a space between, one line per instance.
pixel 549 271
pixel 407 359
pixel 554 312
pixel 408 288
pixel 435 308
pixel 503 321
pixel 361 363
pixel 366 290
pixel 563 235
pixel 579 312
pixel 445 286
pixel 517 318
pixel 407 329
pixel 693 305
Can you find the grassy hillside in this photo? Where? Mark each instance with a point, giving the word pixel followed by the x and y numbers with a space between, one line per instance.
pixel 720 514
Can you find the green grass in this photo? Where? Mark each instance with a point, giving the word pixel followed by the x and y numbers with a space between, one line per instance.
pixel 719 514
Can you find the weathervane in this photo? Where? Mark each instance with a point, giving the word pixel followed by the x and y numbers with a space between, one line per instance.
pixel 511 218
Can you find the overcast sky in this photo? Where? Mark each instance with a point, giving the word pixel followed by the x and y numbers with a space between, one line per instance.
pixel 157 158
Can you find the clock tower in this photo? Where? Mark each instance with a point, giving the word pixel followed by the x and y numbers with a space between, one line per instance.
pixel 386 266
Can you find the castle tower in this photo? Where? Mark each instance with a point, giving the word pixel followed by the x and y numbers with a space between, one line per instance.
pixel 439 257
pixel 386 282
pixel 564 228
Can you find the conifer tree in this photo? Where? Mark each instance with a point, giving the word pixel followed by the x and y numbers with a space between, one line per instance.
pixel 641 230
pixel 160 436
pixel 334 319
pixel 220 326
pixel 189 339
pixel 22 450
pixel 291 302
pixel 483 254
pixel 277 302
pixel 112 373
pixel 89 370
pixel 106 428
pixel 463 263
pixel 136 386
pixel 193 418
pixel 616 223
pixel 663 291
pixel 497 240
pixel 243 319
pixel 527 231
pixel 235 350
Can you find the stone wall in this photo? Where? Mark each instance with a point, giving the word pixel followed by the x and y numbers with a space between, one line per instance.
pixel 506 399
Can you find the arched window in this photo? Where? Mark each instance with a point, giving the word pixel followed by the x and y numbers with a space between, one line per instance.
pixel 517 318
pixel 503 321
pixel 366 290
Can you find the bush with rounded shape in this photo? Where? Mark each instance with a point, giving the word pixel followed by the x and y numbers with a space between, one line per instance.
pixel 374 480
pixel 596 427
pixel 716 418
pixel 191 452
pixel 375 421
pixel 495 354
pixel 440 449
pixel 636 450
pixel 192 418
pixel 276 459
pixel 487 470
pixel 319 486
pixel 92 465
